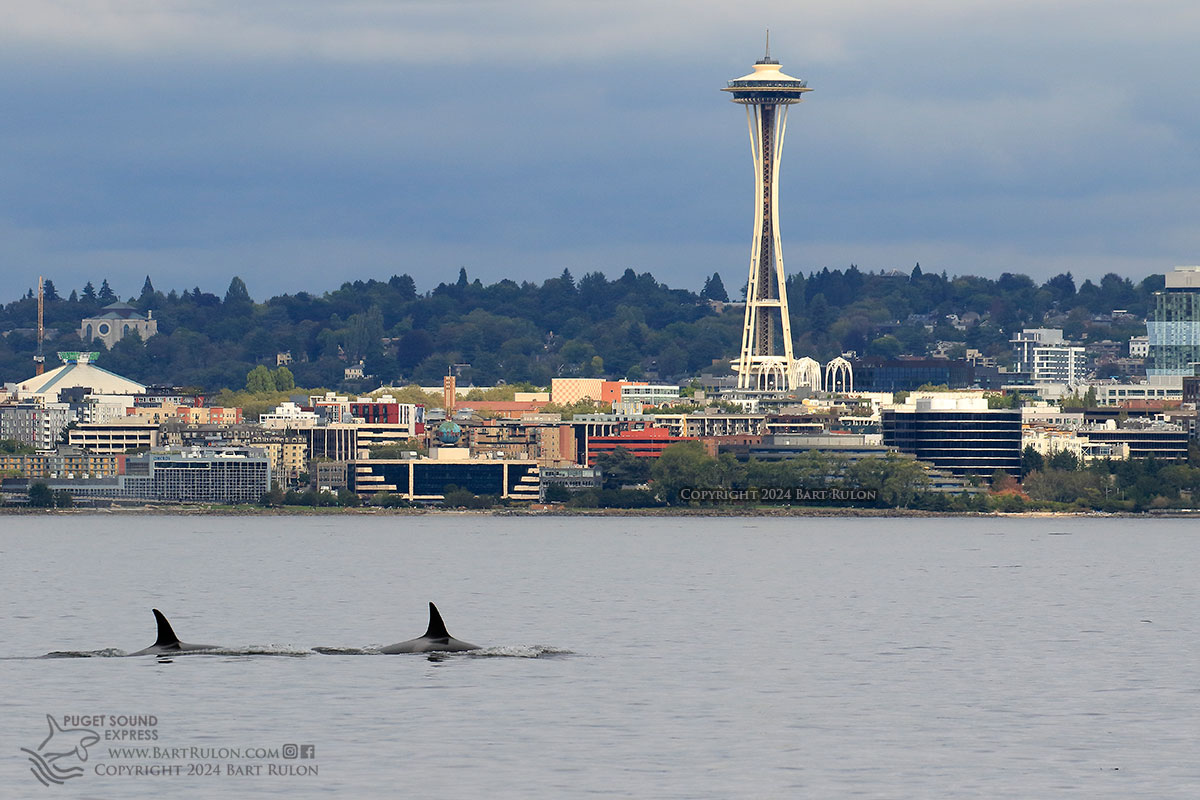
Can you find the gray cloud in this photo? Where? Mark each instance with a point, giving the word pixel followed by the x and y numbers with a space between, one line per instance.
pixel 297 144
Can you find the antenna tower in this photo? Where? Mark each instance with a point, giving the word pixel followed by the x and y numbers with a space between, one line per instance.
pixel 39 360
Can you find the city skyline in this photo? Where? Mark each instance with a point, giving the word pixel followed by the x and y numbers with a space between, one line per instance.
pixel 297 149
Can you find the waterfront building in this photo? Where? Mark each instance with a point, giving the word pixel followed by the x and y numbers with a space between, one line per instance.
pixel 766 362
pixel 426 479
pixel 573 479
pixel 782 447
pixel 329 476
pixel 64 462
pixel 1174 325
pixel 1049 441
pixel 333 442
pixel 960 435
pixel 189 476
pixel 1159 440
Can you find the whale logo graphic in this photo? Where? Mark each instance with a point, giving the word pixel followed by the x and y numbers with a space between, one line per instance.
pixel 54 759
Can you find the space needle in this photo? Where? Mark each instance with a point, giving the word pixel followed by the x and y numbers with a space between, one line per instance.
pixel 766 362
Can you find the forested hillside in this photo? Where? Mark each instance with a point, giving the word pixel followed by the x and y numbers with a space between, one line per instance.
pixel 630 327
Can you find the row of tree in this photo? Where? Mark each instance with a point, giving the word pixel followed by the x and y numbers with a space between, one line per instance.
pixel 633 326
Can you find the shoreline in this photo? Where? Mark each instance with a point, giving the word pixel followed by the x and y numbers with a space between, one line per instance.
pixel 791 511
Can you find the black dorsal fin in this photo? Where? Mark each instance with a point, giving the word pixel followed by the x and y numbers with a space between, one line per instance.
pixel 437 628
pixel 166 636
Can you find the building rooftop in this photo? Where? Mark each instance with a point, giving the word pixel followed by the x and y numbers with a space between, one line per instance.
pixel 77 371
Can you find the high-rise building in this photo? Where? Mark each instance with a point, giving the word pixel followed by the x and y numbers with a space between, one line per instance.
pixel 766 362
pixel 1174 325
pixel 1024 343
pixel 1047 357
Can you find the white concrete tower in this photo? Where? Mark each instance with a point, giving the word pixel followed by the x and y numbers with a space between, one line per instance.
pixel 766 357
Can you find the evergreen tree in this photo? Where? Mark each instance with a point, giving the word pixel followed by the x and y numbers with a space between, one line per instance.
pixel 147 288
pixel 404 286
pixel 41 495
pixel 1031 461
pixel 236 295
pixel 48 291
pixel 714 289
pixel 89 291
pixel 462 278
pixel 106 295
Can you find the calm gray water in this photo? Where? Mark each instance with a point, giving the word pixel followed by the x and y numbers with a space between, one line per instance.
pixel 655 657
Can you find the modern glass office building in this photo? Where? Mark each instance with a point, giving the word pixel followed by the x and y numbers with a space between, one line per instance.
pixel 1174 325
pixel 427 479
pixel 963 437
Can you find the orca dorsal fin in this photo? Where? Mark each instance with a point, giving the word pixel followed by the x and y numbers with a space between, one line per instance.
pixel 437 628
pixel 166 636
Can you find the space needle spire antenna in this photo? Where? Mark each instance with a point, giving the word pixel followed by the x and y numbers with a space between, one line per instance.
pixel 766 361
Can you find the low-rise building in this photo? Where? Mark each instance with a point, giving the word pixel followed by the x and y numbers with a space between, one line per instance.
pixel 190 476
pixel 1049 441
pixel 573 479
pixel 1161 388
pixel 1161 441
pixel 427 479
pixel 65 462
pixel 288 415
pixel 114 437
pixel 960 435
pixel 647 443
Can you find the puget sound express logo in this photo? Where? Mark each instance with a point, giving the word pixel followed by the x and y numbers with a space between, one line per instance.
pixel 129 746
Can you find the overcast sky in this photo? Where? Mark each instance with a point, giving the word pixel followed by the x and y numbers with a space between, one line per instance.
pixel 303 143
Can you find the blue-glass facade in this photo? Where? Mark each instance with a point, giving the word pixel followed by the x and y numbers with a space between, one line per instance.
pixel 906 375
pixel 1174 332
pixel 499 478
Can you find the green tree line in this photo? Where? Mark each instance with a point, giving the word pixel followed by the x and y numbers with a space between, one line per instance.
pixel 632 326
